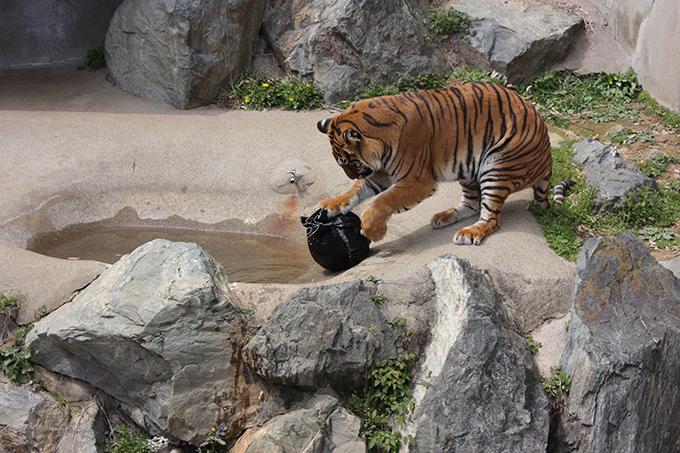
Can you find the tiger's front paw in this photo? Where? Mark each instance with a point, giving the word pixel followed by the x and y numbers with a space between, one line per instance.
pixel 373 227
pixel 334 206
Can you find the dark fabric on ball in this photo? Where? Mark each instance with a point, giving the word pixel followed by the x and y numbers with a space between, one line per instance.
pixel 335 243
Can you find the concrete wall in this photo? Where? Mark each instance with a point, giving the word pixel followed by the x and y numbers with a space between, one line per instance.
pixel 49 31
pixel 649 32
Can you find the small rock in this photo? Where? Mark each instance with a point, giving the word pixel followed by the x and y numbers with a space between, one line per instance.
pixel 324 335
pixel 614 177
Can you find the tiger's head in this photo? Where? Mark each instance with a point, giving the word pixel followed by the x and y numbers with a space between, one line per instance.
pixel 351 150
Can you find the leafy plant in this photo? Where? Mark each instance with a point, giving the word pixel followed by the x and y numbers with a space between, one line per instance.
pixel 124 440
pixel 533 345
pixel 212 444
pixel 657 164
pixel 259 93
pixel 467 75
pixel 387 395
pixel 8 301
pixel 629 136
pixel 619 87
pixel 567 92
pixel 14 363
pixel 14 360
pixel 612 112
pixel 557 384
pixel 449 22
pixel 373 278
pixel 400 85
pixel 95 59
pixel 378 300
pixel 656 234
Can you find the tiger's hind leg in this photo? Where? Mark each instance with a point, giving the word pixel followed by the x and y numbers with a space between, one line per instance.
pixel 541 188
pixel 469 206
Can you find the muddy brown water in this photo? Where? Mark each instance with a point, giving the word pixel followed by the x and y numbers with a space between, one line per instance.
pixel 248 258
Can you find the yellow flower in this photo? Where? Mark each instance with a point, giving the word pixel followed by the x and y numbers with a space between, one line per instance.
pixel 247 100
pixel 265 85
pixel 291 99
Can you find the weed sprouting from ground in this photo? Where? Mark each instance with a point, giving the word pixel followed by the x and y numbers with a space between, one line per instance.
pixel 449 22
pixel 387 396
pixel 260 93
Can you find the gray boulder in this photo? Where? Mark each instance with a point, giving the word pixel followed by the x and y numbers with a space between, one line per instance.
pixel 481 388
pixel 179 53
pixel 344 46
pixel 157 331
pixel 517 38
pixel 324 335
pixel 30 420
pixel 614 177
pixel 321 425
pixel 622 352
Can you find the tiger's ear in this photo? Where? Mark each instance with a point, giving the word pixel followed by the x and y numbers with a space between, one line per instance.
pixel 352 137
pixel 323 125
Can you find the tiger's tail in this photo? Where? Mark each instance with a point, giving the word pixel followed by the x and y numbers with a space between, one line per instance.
pixel 560 189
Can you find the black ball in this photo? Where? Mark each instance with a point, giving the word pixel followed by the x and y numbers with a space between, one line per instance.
pixel 335 243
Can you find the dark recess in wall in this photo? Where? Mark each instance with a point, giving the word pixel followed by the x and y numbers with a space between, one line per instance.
pixel 50 31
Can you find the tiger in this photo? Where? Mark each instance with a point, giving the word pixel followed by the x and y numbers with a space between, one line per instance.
pixel 483 135
pixel 560 189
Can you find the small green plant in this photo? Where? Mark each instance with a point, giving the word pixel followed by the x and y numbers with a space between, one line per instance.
pixel 566 325
pixel 8 301
pixel 629 136
pixel 657 164
pixel 387 396
pixel 212 444
pixel 373 278
pixel 259 93
pixel 567 92
pixel 67 407
pixel 400 85
pixel 619 87
pixel 14 360
pixel 95 59
pixel 124 440
pixel 243 312
pixel 378 300
pixel 557 385
pixel 612 112
pixel 14 363
pixel 656 234
pixel 449 22
pixel 467 75
pixel 533 345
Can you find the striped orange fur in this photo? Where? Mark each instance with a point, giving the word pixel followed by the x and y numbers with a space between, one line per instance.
pixel 485 136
